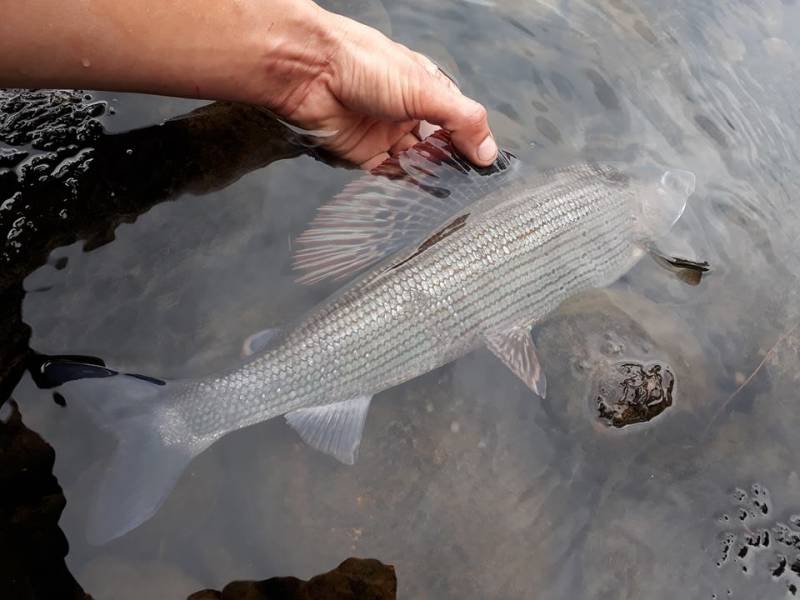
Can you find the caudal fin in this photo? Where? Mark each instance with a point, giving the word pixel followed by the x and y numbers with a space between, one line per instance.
pixel 154 446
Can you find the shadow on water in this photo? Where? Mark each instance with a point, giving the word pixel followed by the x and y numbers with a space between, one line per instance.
pixel 64 178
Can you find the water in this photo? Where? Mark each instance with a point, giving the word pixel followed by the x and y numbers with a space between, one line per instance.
pixel 470 486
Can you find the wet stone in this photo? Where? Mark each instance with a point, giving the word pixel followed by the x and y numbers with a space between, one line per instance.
pixel 627 355
pixel 47 141
pixel 354 579
pixel 49 120
pixel 10 157
pixel 633 393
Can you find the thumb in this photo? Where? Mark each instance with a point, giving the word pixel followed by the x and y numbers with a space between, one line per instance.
pixel 440 102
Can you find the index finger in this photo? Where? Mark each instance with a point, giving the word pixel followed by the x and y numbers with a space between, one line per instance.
pixel 466 120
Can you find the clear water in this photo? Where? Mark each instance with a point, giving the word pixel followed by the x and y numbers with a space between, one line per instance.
pixel 470 486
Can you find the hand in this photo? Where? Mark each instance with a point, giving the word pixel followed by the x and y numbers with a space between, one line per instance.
pixel 318 70
pixel 370 95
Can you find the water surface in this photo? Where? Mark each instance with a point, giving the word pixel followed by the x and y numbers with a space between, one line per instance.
pixel 468 484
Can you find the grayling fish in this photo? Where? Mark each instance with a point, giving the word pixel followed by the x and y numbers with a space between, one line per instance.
pixel 459 259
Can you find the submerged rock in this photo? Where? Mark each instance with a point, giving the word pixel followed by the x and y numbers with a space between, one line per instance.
pixel 354 579
pixel 633 392
pixel 629 361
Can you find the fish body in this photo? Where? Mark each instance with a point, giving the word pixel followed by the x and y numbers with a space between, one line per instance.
pixel 452 260
pixel 512 257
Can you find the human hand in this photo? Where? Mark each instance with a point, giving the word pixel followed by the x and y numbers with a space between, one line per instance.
pixel 316 69
pixel 370 94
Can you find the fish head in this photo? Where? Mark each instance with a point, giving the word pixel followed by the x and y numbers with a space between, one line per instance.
pixel 661 200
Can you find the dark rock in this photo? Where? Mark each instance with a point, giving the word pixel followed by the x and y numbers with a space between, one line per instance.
pixel 206 595
pixel 354 579
pixel 634 393
pixel 33 547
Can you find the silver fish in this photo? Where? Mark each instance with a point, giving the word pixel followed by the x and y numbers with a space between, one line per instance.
pixel 459 259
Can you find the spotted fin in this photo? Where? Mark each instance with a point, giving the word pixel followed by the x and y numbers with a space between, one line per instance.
pixel 515 348
pixel 334 429
pixel 396 206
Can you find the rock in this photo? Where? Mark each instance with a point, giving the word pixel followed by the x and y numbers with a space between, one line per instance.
pixel 629 361
pixel 354 579
pixel 33 547
pixel 633 393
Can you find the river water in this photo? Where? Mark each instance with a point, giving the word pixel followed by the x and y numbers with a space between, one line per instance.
pixel 468 484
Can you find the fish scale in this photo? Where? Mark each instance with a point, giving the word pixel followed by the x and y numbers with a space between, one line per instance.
pixel 521 253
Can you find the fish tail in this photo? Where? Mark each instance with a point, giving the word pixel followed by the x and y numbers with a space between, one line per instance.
pixel 154 446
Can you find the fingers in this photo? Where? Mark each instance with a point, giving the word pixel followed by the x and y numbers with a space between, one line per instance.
pixel 436 98
pixel 377 87
pixel 469 126
pixel 404 143
pixel 402 138
pixel 373 162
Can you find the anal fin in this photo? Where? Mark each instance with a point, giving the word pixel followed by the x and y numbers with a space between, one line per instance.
pixel 334 429
pixel 515 348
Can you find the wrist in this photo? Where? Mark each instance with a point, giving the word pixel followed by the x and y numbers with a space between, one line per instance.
pixel 292 52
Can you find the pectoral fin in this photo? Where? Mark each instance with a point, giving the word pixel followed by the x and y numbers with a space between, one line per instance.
pixel 334 429
pixel 689 271
pixel 515 348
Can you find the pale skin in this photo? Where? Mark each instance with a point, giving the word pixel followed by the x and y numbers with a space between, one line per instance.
pixel 315 69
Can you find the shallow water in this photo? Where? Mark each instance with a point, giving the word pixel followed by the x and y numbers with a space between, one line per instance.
pixel 470 486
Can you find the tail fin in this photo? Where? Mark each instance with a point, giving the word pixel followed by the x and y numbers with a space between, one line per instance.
pixel 154 447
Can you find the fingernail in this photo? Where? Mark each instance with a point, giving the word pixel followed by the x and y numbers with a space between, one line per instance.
pixel 487 151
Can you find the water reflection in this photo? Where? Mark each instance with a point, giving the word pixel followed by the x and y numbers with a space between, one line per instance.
pixel 465 482
pixel 66 179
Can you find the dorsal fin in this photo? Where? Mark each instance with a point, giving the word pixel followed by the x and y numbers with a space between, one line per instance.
pixel 396 206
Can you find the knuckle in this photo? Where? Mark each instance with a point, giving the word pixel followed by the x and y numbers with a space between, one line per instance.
pixel 475 116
